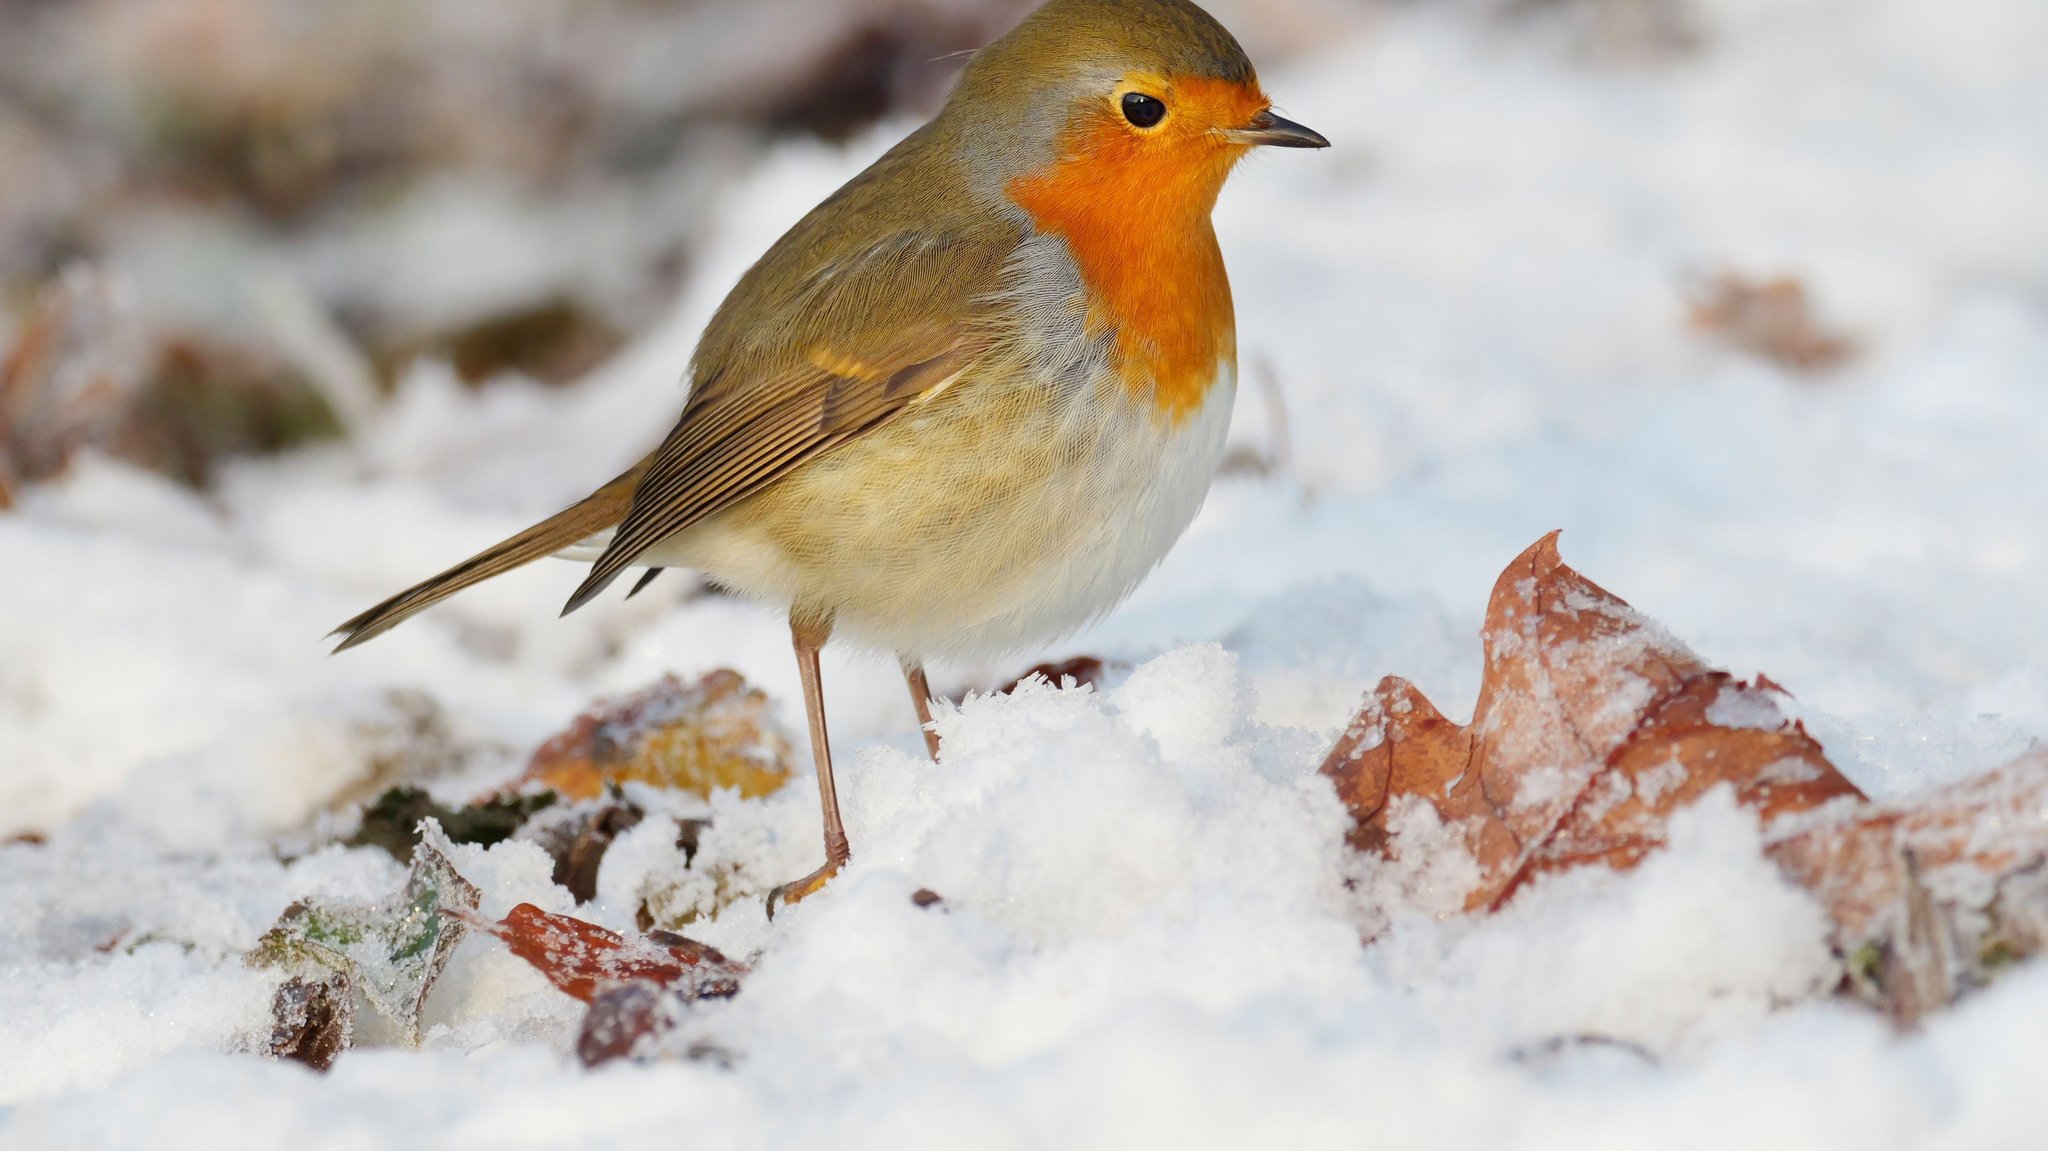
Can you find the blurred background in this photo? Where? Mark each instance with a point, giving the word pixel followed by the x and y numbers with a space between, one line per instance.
pixel 230 226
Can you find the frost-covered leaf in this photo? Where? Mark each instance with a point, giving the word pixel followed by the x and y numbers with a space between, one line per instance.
pixel 696 737
pixel 1593 727
pixel 313 1018
pixel 628 1020
pixel 1936 894
pixel 392 951
pixel 582 959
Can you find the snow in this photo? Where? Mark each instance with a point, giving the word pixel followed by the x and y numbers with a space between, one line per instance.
pixel 1473 309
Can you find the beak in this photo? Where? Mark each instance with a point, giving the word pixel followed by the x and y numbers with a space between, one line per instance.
pixel 1268 129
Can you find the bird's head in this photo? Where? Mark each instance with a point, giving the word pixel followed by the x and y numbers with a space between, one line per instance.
pixel 1144 104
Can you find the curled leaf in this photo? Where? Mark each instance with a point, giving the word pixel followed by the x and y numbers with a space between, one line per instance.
pixel 1593 727
pixel 392 952
pixel 1935 894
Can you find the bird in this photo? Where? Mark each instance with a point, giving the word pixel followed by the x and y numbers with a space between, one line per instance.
pixel 968 402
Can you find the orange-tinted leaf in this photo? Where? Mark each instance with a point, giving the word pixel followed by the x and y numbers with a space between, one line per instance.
pixel 1770 318
pixel 1593 726
pixel 1400 745
pixel 1935 893
pixel 698 737
pixel 582 958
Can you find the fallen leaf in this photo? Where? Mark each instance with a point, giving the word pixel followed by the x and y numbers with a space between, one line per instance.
pixel 392 952
pixel 582 958
pixel 1769 318
pixel 621 1018
pixel 313 1019
pixel 1593 726
pixel 697 738
pixel 579 839
pixel 1933 895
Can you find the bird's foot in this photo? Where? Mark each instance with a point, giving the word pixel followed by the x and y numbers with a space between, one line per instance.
pixel 798 890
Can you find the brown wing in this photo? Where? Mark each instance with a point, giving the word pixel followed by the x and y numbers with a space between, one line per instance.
pixel 788 371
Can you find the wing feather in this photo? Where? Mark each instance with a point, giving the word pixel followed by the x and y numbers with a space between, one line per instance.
pixel 851 347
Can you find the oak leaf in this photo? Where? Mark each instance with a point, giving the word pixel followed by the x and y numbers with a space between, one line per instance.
pixel 1933 894
pixel 1593 727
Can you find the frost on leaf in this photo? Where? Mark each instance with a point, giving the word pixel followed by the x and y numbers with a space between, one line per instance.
pixel 1934 895
pixel 695 737
pixel 1593 727
pixel 583 959
pixel 636 986
pixel 392 952
pixel 313 1019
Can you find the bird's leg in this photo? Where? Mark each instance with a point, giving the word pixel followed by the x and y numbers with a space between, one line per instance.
pixel 921 695
pixel 810 634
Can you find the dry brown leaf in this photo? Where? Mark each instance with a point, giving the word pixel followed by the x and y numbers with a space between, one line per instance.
pixel 1933 895
pixel 620 1018
pixel 630 1019
pixel 313 1019
pixel 579 842
pixel 697 737
pixel 1593 727
pixel 1770 318
pixel 583 959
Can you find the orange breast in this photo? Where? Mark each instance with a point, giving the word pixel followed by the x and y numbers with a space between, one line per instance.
pixel 1134 211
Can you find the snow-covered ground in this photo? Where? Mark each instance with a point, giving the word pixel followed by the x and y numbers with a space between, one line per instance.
pixel 1473 309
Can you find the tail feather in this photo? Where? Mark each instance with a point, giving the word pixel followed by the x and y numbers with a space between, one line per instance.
pixel 595 514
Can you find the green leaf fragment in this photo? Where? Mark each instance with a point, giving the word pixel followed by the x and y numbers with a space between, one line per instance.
pixel 391 951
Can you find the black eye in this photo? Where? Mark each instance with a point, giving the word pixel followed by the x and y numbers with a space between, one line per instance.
pixel 1143 110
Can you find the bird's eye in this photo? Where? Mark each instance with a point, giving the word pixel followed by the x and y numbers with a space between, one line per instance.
pixel 1142 110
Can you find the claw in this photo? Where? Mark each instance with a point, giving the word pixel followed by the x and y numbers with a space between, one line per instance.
pixel 797 890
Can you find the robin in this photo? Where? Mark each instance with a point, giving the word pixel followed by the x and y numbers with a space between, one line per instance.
pixel 970 400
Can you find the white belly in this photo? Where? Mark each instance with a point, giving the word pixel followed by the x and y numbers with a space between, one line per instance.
pixel 981 524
